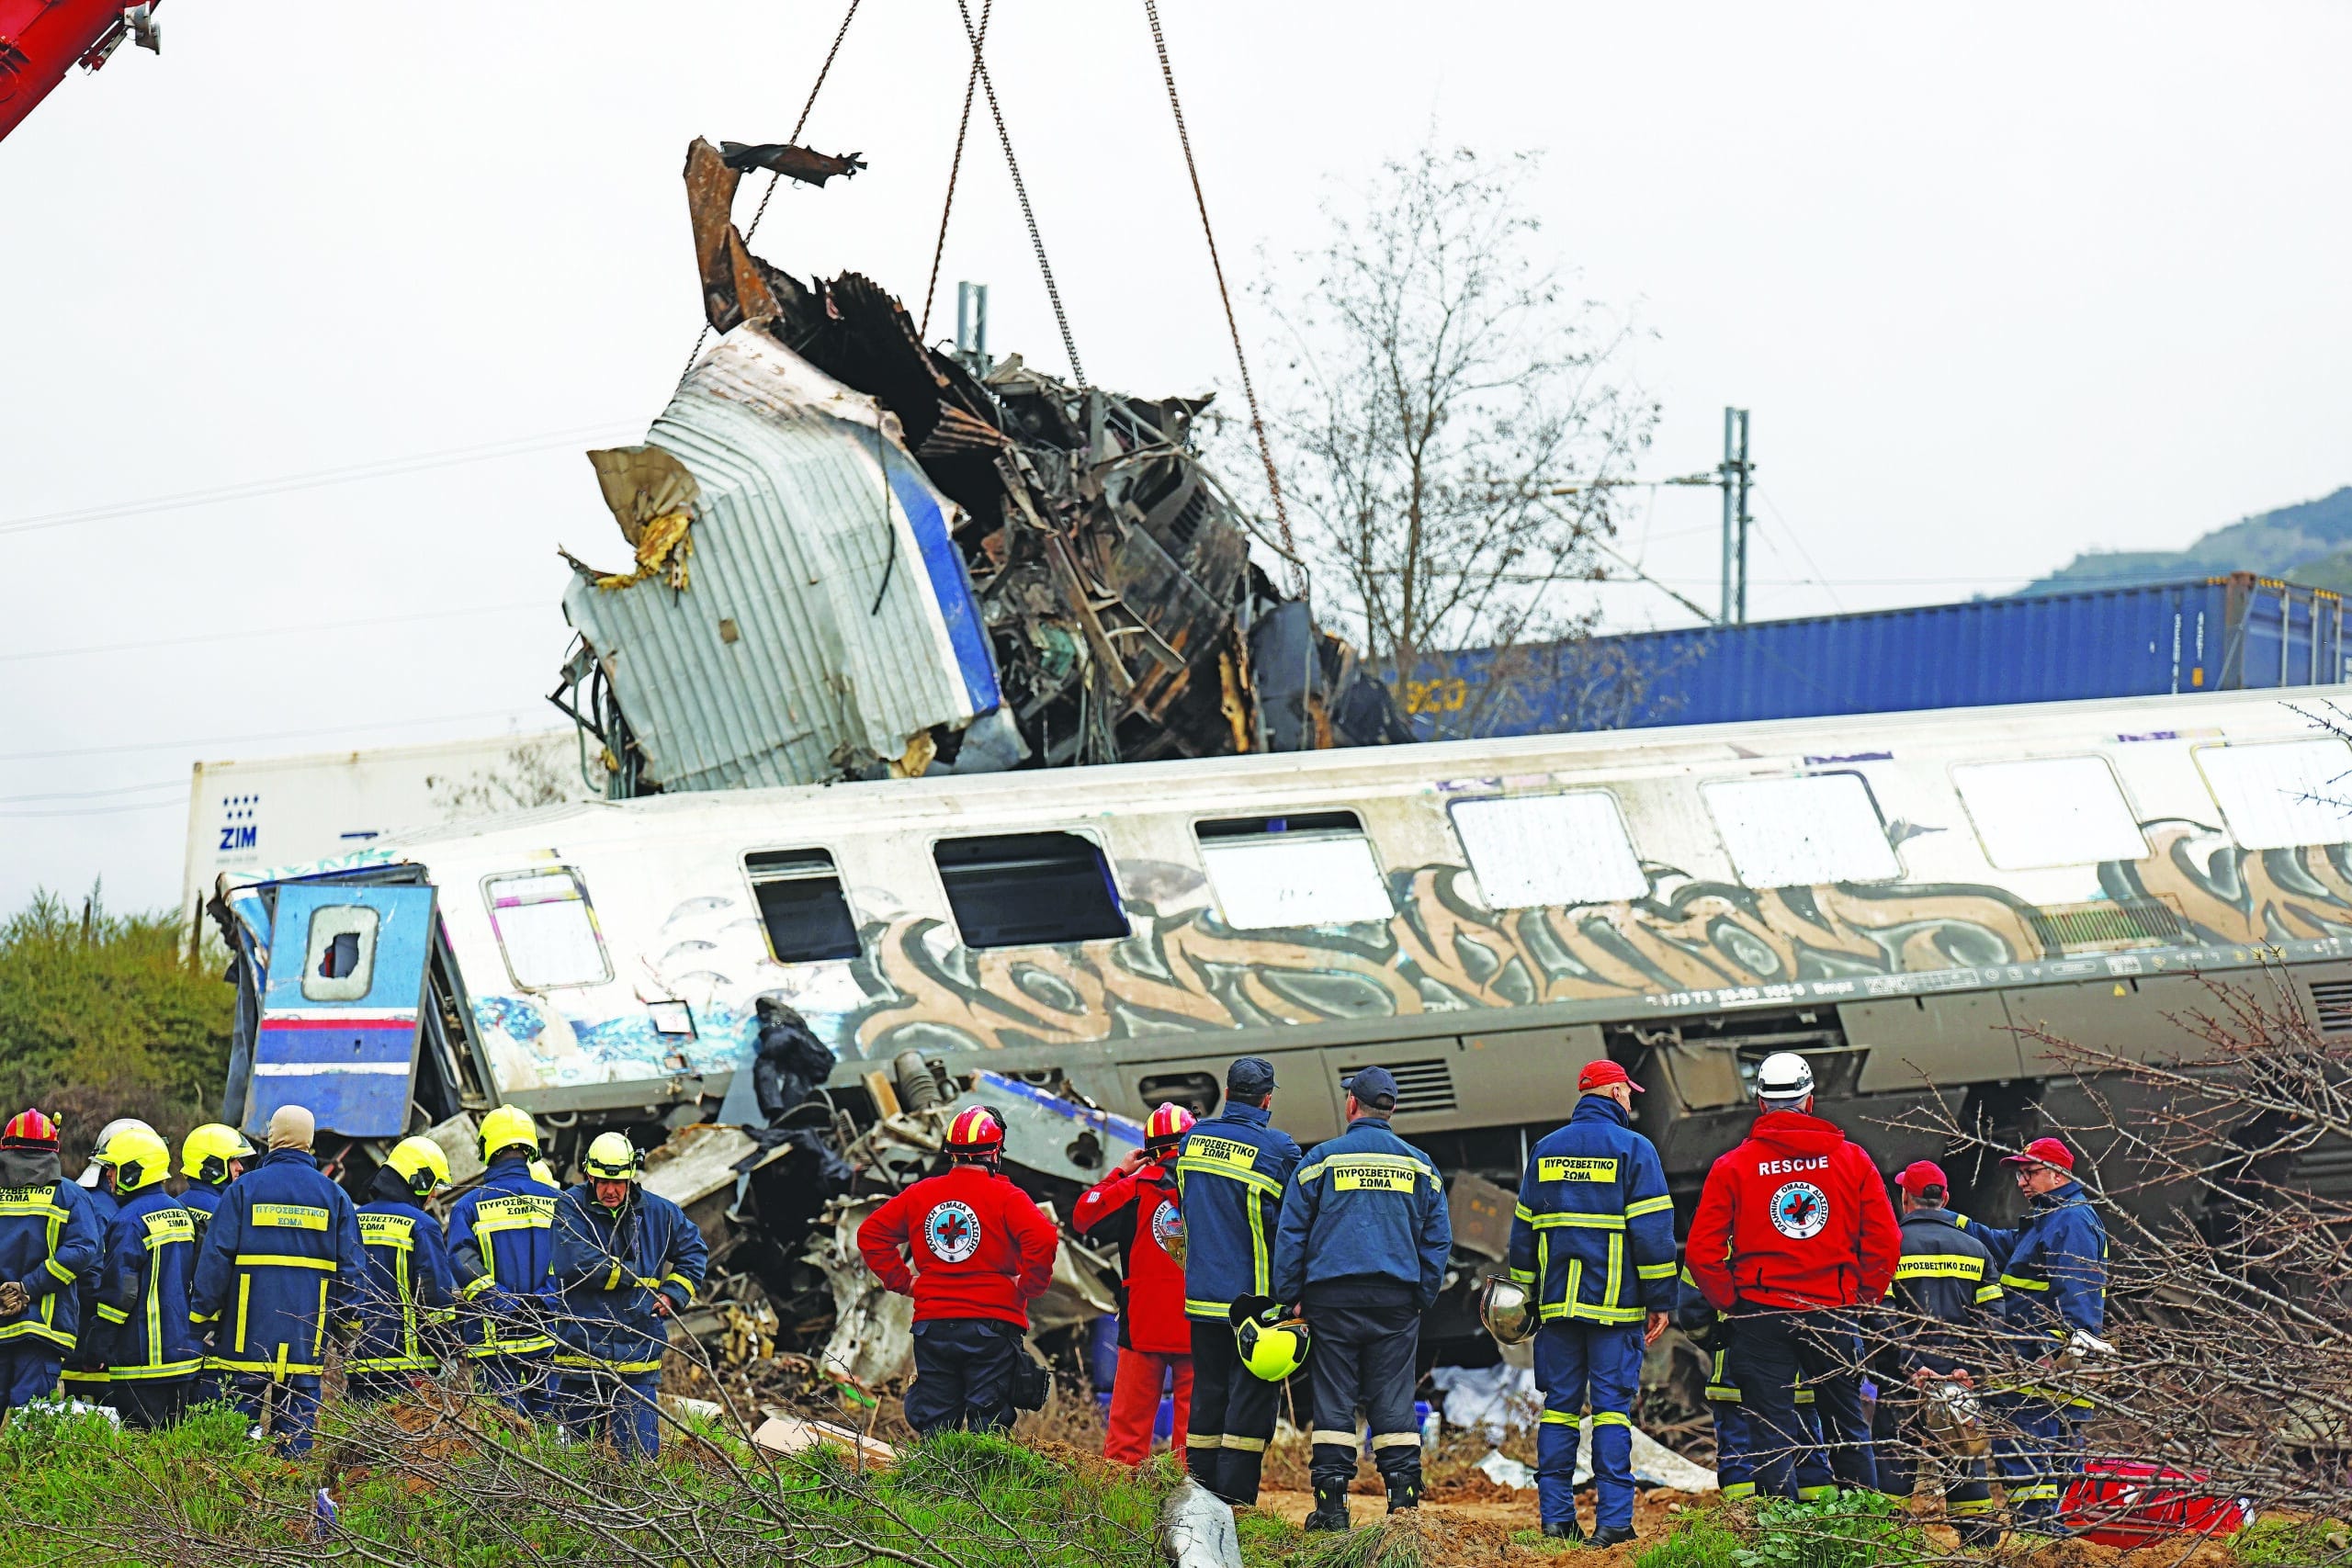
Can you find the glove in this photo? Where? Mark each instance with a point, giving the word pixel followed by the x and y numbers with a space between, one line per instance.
pixel 13 1298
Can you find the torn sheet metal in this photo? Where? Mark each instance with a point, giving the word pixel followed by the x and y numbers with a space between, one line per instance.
pixel 873 1329
pixel 806 164
pixel 827 625
pixel 1051 1134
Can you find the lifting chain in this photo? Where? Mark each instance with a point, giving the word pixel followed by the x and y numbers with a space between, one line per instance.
pixel 954 167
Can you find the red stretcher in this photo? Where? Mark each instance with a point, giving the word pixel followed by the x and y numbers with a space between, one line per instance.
pixel 2128 1503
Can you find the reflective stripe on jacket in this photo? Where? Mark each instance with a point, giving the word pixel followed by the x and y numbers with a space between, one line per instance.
pixel 1229 1175
pixel 87 1363
pixel 2054 1266
pixel 50 1236
pixel 407 1286
pixel 281 1259
pixel 1947 1276
pixel 501 1258
pixel 143 1291
pixel 1364 1205
pixel 609 1265
pixel 1593 1234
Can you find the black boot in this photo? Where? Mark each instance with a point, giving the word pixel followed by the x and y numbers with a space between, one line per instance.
pixel 1566 1529
pixel 1331 1508
pixel 1403 1489
pixel 1613 1535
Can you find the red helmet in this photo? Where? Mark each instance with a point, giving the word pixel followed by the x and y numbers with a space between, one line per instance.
pixel 1166 1126
pixel 975 1132
pixel 28 1130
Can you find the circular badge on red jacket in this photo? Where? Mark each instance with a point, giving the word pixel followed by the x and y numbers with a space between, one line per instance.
pixel 951 1232
pixel 1800 1210
pixel 1167 1227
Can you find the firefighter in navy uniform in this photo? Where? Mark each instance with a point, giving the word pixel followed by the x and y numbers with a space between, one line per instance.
pixel 211 1156
pixel 1593 1237
pixel 980 1252
pixel 628 1262
pixel 153 1352
pixel 1363 1249
pixel 502 1255
pixel 1135 1208
pixel 1229 1176
pixel 2054 1288
pixel 85 1370
pixel 50 1236
pixel 1942 1317
pixel 409 1289
pixel 1735 1459
pixel 281 1265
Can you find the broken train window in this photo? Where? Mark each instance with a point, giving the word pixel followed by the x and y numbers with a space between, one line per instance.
pixel 339 962
pixel 802 907
pixel 546 929
pixel 1313 868
pixel 1029 889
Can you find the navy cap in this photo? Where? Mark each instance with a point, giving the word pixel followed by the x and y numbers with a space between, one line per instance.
pixel 1373 1086
pixel 1250 1077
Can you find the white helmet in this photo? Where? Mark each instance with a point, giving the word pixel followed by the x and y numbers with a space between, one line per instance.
pixel 1785 1076
pixel 89 1177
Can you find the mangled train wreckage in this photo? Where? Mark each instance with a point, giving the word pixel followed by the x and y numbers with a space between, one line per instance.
pixel 858 556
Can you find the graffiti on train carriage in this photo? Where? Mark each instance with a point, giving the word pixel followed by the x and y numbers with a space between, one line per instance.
pixel 2193 897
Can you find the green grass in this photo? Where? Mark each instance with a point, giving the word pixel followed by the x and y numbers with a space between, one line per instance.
pixel 1699 1539
pixel 2279 1543
pixel 1860 1531
pixel 75 1492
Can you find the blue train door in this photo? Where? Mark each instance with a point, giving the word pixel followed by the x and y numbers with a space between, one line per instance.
pixel 339 1015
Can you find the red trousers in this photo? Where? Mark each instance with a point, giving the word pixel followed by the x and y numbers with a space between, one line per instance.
pixel 1134 1402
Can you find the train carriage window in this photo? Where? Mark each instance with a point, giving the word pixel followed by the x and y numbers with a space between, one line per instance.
pixel 802 907
pixel 2282 794
pixel 1029 889
pixel 1803 831
pixel 1311 869
pixel 1554 849
pixel 339 957
pixel 546 929
pixel 2049 811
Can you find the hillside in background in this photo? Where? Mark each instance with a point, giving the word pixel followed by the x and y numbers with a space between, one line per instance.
pixel 2310 542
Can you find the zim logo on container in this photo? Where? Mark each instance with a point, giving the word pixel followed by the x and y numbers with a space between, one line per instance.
pixel 951 1232
pixel 1800 1210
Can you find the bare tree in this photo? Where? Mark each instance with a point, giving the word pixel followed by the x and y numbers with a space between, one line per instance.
pixel 1446 391
pixel 537 771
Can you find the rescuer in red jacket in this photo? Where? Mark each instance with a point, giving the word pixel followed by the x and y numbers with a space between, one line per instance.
pixel 973 1252
pixel 1793 1233
pixel 1135 1207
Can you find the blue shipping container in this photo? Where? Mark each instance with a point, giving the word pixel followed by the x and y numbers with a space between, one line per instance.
pixel 2214 634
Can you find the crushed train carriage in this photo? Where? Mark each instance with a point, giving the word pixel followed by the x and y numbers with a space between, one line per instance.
pixel 1901 900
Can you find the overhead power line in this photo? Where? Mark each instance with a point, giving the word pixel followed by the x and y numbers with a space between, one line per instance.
pixel 282 484
pixel 244 633
pixel 188 744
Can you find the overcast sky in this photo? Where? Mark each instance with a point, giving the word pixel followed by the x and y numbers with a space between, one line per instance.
pixel 1999 282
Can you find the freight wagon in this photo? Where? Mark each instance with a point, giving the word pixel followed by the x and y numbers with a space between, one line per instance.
pixel 2218 634
pixel 1901 899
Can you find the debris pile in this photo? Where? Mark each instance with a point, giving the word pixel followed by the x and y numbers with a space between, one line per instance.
pixel 857 556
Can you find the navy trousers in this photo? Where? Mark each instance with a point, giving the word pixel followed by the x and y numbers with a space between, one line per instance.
pixel 1578 1364
pixel 29 1370
pixel 619 1405
pixel 525 1384
pixel 293 1406
pixel 2035 1451
pixel 1363 1360
pixel 1771 1353
pixel 964 1374
pixel 149 1403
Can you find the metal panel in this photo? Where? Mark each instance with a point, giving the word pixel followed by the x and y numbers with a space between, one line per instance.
pixel 2222 633
pixel 350 1060
pixel 826 615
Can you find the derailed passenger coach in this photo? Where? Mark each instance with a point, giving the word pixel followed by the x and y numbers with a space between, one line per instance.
pixel 1900 898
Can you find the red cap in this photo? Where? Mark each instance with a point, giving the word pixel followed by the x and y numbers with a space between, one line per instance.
pixel 1598 1074
pixel 2043 1150
pixel 1920 1175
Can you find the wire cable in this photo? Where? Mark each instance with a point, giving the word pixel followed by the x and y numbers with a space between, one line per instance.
pixel 125 750
pixel 243 633
pixel 1021 189
pixel 954 167
pixel 1297 573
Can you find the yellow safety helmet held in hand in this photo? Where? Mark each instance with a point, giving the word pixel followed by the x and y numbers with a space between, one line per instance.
pixel 204 1153
pixel 421 1163
pixel 1273 1347
pixel 139 1158
pixel 612 1157
pixel 506 1128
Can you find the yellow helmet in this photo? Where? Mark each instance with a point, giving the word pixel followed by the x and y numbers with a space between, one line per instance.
pixel 139 1158
pixel 508 1127
pixel 544 1173
pixel 421 1163
pixel 1273 1347
pixel 204 1153
pixel 612 1157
